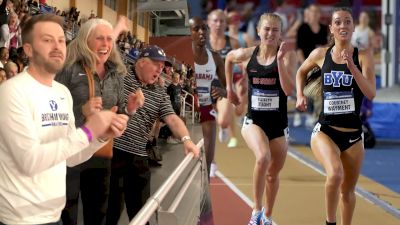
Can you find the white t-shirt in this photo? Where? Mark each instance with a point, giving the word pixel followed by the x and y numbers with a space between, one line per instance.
pixel 38 139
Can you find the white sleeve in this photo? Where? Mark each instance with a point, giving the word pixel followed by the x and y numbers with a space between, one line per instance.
pixel 86 154
pixel 20 138
pixel 5 33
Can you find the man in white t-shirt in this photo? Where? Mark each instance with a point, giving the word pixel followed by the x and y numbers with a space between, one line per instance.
pixel 38 137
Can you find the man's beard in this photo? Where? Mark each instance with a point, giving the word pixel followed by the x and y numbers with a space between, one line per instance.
pixel 51 66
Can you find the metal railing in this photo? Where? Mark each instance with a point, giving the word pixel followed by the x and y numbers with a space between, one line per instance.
pixel 184 104
pixel 153 203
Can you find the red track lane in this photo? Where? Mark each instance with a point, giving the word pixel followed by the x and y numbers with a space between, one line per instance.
pixel 228 208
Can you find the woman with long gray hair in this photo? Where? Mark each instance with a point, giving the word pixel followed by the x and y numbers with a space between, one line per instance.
pixel 93 55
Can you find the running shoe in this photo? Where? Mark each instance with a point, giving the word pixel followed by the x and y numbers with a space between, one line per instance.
pixel 297 119
pixel 232 143
pixel 255 218
pixel 310 121
pixel 213 170
pixel 264 219
pixel 223 135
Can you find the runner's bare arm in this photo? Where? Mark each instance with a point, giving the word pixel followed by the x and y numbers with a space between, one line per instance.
pixel 365 79
pixel 240 55
pixel 220 68
pixel 316 58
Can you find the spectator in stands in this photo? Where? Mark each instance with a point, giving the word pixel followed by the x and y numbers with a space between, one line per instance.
pixel 33 7
pixel 130 175
pixel 363 33
pixel 189 86
pixel 3 56
pixel 3 76
pixel 19 57
pixel 33 3
pixel 11 32
pixel 161 82
pixel 127 46
pixel 121 41
pixel 168 71
pixel 11 69
pixel 310 35
pixel 37 132
pixel 92 15
pixel 3 12
pixel 25 17
pixel 336 141
pixel 189 73
pixel 130 37
pixel 69 32
pixel 365 114
pixel 20 15
pixel 93 53
pixel 72 15
pixel 135 51
pixel 174 91
pixel 24 8
pixel 183 69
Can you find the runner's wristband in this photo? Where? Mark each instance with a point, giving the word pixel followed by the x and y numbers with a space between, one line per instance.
pixel 87 132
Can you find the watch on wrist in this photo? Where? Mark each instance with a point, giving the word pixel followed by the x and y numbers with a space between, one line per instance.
pixel 185 138
pixel 129 113
pixel 102 140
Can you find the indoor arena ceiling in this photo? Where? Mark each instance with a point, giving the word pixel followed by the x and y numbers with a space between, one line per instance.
pixel 169 17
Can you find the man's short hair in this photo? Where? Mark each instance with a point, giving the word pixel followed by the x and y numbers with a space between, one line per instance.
pixel 28 27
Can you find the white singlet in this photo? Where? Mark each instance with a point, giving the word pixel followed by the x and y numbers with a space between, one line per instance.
pixel 205 74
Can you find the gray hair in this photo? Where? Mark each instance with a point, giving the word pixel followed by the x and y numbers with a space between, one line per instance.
pixel 79 51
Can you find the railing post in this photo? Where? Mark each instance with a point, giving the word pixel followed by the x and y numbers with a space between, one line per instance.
pixel 153 203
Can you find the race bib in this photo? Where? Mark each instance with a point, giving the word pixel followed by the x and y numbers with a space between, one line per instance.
pixel 339 103
pixel 265 100
pixel 204 96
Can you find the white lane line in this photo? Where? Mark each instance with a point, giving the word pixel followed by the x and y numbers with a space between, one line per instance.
pixel 239 193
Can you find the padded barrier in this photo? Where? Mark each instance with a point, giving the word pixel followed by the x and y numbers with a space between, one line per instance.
pixel 385 120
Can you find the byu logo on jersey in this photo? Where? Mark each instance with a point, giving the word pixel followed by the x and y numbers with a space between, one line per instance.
pixel 338 78
pixel 53 105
